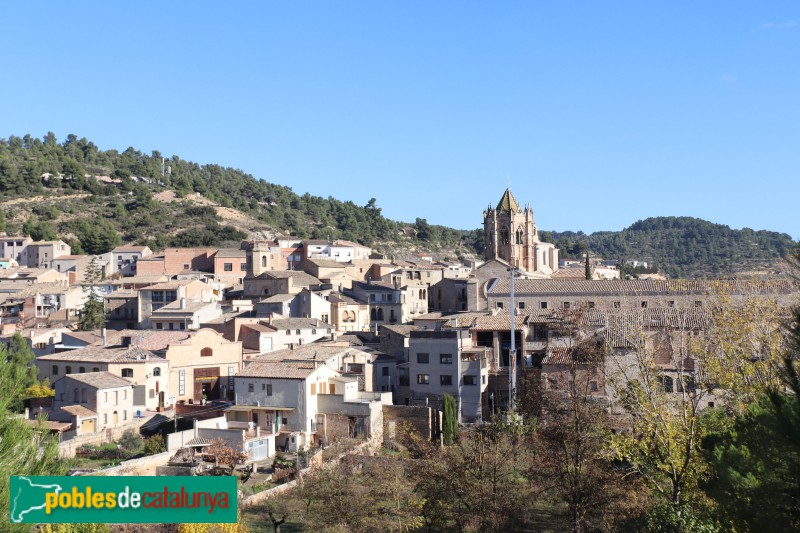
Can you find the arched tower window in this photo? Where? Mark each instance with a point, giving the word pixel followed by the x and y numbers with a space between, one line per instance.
pixel 504 236
pixel 206 352
pixel 263 261
pixel 519 236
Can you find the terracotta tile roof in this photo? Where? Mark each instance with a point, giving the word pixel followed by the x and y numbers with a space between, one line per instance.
pixel 278 369
pixel 499 322
pixel 129 249
pixel 307 352
pixel 175 307
pixel 299 278
pixel 169 285
pixel 79 410
pixel 100 380
pixel 277 298
pixel 100 354
pixel 327 263
pixel 297 323
pixel 51 425
pixel 637 287
pixel 231 252
pixel 338 297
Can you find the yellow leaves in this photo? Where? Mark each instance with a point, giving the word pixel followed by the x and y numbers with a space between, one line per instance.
pixel 238 527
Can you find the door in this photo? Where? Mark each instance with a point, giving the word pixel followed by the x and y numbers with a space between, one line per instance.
pixel 87 426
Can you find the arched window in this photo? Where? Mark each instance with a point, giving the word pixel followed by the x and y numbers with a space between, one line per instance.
pixel 352 316
pixel 263 261
pixel 157 371
pixel 421 296
pixel 266 291
pixel 519 236
pixel 55 370
pixel 127 372
pixel 83 396
pixel 504 236
pixel 68 370
pixel 297 332
pixel 380 314
pixel 206 352
pixel 76 395
pixel 95 369
pixel 373 315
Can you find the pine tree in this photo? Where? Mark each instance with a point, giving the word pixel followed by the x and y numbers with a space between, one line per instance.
pixel 93 313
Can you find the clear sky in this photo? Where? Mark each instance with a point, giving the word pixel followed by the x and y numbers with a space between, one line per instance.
pixel 599 113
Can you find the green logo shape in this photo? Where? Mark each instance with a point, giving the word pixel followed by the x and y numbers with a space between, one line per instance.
pixel 122 499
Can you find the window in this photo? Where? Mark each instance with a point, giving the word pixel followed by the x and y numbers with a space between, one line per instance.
pixel 591 305
pixel 313 331
pixel 68 370
pixel 423 379
pixel 470 380
pixel 243 267
pixel 159 325
pixel 251 387
pixel 206 352
pixel 227 267
pixel 288 332
pixel 616 305
pixel 105 397
pixel 671 303
pixel 499 305
pixel 181 382
pixel 593 386
pixel 55 370
pixel 385 371
pixel 521 305
pixel 81 369
pixel 95 369
pixel 105 418
pixel 446 359
pixel 186 266
pixel 76 394
pixel 124 414
pixel 446 379
pixel 698 303
pixel 269 389
pixel 644 304
pixel 157 371
pixel 565 305
pixel 127 372
pixel 313 389
pixel 543 305
pixel 422 358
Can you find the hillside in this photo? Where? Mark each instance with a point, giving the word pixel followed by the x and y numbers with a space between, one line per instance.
pixel 96 199
pixel 685 247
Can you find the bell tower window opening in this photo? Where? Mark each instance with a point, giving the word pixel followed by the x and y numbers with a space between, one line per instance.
pixel 519 236
pixel 504 236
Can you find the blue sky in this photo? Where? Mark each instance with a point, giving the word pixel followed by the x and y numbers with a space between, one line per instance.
pixel 598 113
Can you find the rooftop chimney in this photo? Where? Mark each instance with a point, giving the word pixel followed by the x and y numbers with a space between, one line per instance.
pixel 105 336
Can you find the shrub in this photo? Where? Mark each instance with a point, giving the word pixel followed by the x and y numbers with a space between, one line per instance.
pixel 154 445
pixel 130 441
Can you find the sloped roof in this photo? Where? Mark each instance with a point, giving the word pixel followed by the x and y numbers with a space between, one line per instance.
pixel 634 287
pixel 79 410
pixel 100 380
pixel 101 354
pixel 508 204
pixel 279 369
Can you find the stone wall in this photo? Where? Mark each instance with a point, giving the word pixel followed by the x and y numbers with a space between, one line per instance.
pixel 68 448
pixel 143 466
pixel 398 418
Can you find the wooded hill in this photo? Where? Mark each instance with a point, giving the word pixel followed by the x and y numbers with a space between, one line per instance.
pixel 45 192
